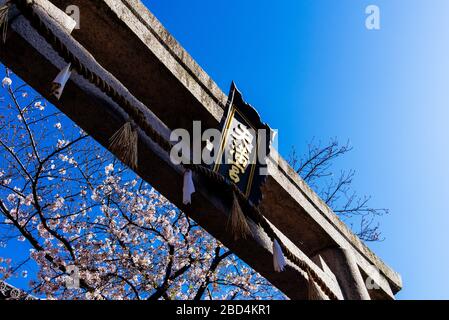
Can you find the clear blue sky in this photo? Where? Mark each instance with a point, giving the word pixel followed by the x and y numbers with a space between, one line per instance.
pixel 313 70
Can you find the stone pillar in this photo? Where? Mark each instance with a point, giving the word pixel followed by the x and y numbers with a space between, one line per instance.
pixel 344 266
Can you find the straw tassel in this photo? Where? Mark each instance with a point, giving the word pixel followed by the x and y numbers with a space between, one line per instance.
pixel 58 85
pixel 278 257
pixel 314 290
pixel 237 223
pixel 188 188
pixel 124 144
pixel 4 19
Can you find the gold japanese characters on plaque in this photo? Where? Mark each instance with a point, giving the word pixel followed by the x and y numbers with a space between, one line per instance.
pixel 244 146
pixel 241 149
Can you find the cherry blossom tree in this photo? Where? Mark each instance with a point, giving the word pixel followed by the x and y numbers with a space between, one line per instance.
pixel 84 216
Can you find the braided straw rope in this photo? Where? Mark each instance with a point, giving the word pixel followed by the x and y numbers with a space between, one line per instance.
pixel 26 8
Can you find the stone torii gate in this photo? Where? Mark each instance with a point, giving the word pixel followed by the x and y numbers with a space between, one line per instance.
pixel 121 41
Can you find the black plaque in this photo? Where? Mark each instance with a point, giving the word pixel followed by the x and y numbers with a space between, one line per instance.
pixel 244 146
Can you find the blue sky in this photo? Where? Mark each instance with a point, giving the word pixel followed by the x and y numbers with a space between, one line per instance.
pixel 312 69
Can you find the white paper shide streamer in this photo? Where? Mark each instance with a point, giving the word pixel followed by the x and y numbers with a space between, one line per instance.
pixel 60 81
pixel 278 257
pixel 188 188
